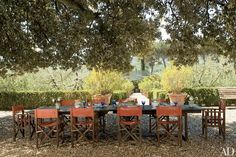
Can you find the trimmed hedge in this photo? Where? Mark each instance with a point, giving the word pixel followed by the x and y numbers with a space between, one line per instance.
pixel 119 95
pixel 207 96
pixel 36 99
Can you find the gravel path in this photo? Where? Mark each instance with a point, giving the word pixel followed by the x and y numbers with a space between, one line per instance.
pixel 196 146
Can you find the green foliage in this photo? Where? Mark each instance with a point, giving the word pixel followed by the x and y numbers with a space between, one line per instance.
pixel 213 71
pixel 44 80
pixel 158 94
pixel 204 95
pixel 45 33
pixel 104 82
pixel 35 99
pixel 149 83
pixel 119 94
pixel 174 79
pixel 207 96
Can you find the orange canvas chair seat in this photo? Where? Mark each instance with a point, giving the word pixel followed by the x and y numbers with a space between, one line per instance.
pixel 128 119
pixel 21 121
pixel 169 122
pixel 82 123
pixel 47 125
pixel 129 122
pixel 170 119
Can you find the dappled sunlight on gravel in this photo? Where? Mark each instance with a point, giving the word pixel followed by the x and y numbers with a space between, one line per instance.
pixel 109 146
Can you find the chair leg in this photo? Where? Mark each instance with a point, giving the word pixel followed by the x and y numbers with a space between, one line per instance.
pixel 14 132
pixel 223 132
pixel 158 134
pixel 140 134
pixel 150 123
pixel 37 142
pixel 119 134
pixel 205 128
pixel 180 134
pixel 93 132
pixel 57 134
pixel 72 138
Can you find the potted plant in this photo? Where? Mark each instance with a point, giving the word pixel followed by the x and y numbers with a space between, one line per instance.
pixel 149 83
pixel 102 83
pixel 174 80
pixel 162 98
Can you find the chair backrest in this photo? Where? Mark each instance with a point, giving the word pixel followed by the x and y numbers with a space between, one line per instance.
pixel 222 105
pixel 129 111
pixel 46 113
pixel 127 100
pixel 17 109
pixel 67 102
pixel 168 111
pixel 82 112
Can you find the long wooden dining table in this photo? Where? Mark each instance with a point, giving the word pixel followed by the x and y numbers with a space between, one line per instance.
pixel 146 109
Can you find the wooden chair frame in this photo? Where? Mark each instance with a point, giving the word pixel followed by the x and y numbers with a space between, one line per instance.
pixel 164 120
pixel 21 122
pixel 214 118
pixel 47 125
pixel 82 122
pixel 101 116
pixel 128 119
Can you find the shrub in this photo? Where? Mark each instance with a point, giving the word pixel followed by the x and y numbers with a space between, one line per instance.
pixel 35 99
pixel 207 96
pixel 104 82
pixel 32 100
pixel 150 82
pixel 119 94
pixel 175 79
pixel 158 94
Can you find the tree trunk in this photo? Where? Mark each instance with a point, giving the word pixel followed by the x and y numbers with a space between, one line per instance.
pixel 143 64
pixel 163 61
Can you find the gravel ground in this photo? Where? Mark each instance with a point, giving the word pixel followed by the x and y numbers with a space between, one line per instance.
pixel 109 147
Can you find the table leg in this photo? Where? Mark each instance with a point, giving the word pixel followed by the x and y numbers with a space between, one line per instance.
pixel 186 126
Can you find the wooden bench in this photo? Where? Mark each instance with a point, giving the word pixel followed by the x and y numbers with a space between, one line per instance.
pixel 227 93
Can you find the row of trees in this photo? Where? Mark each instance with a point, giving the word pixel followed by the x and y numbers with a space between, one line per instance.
pixel 209 72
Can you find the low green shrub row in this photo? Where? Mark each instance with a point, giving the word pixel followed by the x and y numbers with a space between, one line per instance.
pixel 35 99
pixel 207 96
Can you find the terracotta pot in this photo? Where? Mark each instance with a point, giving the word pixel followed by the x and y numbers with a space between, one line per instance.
pixel 162 100
pixel 177 98
pixel 106 98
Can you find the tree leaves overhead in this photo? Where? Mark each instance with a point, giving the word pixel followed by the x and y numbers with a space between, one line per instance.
pixel 196 26
pixel 105 34
pixel 70 33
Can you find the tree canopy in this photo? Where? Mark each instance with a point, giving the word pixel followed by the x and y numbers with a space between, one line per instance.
pixel 105 34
